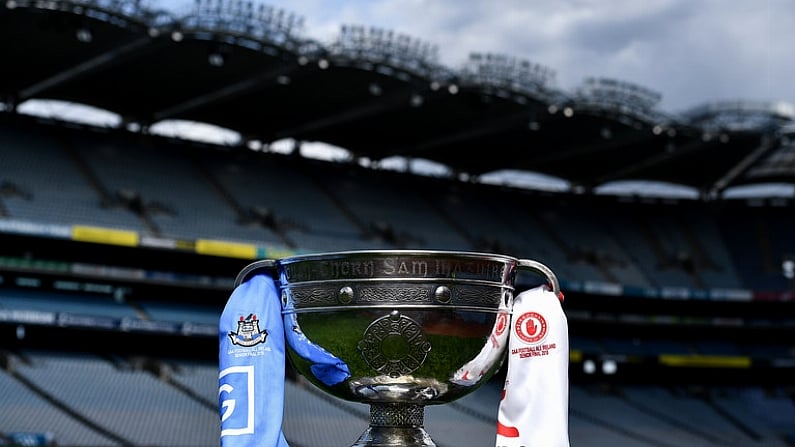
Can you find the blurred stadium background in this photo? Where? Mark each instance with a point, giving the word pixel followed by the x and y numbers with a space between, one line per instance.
pixel 120 240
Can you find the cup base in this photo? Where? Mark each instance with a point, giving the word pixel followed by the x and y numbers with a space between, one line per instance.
pixel 395 424
pixel 394 437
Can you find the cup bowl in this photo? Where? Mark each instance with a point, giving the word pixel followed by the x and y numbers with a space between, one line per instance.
pixel 397 329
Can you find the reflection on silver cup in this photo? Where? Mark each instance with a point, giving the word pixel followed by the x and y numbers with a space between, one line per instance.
pixel 397 329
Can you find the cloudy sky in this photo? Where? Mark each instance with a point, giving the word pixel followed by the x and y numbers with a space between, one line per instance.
pixel 689 51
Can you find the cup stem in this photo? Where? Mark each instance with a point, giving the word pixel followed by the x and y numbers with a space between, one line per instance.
pixel 395 424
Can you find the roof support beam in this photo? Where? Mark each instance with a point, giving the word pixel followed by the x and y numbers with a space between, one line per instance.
pixel 226 93
pixel 483 128
pixel 81 69
pixel 375 106
pixel 573 153
pixel 647 162
pixel 765 146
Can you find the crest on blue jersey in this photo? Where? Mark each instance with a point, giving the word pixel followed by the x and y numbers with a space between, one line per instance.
pixel 248 332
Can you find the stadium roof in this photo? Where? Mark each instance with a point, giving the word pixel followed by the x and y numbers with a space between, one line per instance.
pixel 377 94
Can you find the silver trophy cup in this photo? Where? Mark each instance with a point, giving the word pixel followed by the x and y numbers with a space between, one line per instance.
pixel 397 329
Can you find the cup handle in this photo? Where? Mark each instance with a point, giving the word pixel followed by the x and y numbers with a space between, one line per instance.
pixel 543 270
pixel 269 264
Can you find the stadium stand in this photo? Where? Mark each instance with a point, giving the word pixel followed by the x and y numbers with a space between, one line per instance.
pixel 119 247
pixel 115 300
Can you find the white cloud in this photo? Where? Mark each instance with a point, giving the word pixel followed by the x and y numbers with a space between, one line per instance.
pixel 691 52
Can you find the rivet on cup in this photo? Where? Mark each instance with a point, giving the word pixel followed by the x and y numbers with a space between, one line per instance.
pixel 346 295
pixel 443 294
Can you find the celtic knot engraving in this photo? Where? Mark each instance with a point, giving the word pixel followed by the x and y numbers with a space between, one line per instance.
pixel 478 296
pixel 402 294
pixel 314 297
pixel 353 295
pixel 394 345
